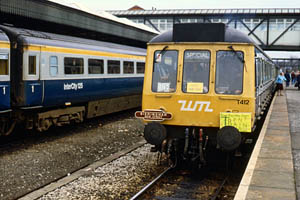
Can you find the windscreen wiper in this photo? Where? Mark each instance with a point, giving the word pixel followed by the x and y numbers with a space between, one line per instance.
pixel 237 55
pixel 162 52
pixel 235 52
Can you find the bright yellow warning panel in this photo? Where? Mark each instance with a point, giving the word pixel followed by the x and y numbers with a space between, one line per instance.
pixel 195 87
pixel 241 121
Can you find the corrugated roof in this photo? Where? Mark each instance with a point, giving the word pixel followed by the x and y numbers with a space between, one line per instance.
pixel 208 11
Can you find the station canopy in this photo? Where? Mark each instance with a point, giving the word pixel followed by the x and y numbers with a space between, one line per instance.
pixel 70 18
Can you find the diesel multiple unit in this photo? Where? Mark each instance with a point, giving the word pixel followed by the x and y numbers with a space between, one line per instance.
pixel 205 85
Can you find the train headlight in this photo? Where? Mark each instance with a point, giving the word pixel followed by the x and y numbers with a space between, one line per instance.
pixel 155 133
pixel 229 138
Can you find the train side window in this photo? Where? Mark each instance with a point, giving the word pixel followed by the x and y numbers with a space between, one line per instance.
pixel 73 65
pixel 263 71
pixel 3 64
pixel 258 71
pixel 229 72
pixel 140 67
pixel 128 67
pixel 113 67
pixel 32 65
pixel 53 65
pixel 196 71
pixel 96 66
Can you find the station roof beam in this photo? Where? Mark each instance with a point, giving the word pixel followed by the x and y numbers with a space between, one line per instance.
pixel 272 29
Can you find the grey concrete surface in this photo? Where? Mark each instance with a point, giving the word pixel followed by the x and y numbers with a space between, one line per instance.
pixel 293 102
pixel 273 171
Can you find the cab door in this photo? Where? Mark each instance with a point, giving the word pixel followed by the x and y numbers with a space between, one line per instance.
pixel 258 85
pixel 33 85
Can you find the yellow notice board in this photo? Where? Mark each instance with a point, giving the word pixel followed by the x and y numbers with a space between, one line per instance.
pixel 195 87
pixel 241 121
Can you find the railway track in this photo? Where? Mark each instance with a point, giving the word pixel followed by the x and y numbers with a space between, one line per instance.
pixel 142 191
pixel 174 184
pixel 31 160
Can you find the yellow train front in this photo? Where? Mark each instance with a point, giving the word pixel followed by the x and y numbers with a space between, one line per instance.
pixel 205 86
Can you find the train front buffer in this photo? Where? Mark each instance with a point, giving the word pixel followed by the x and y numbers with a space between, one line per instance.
pixel 223 121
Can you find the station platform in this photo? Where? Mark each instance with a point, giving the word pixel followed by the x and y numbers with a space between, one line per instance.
pixel 273 171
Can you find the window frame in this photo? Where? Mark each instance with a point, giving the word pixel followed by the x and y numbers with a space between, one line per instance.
pixel 29 65
pixel 73 57
pixel 144 67
pixel 243 74
pixel 108 66
pixel 2 54
pixel 209 70
pixel 50 66
pixel 98 59
pixel 132 70
pixel 154 53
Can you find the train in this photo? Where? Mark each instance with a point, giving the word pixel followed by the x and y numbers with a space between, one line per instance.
pixel 206 87
pixel 49 79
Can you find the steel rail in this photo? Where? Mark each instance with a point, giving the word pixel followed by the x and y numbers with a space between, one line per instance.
pixel 150 184
pixel 219 189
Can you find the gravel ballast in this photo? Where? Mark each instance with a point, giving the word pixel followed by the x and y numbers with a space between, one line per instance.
pixel 41 158
pixel 119 179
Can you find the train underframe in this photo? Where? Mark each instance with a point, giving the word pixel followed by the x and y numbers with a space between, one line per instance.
pixel 190 145
pixel 42 119
pixel 7 124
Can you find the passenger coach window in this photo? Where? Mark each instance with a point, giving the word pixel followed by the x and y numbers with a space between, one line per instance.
pixel 128 67
pixel 229 72
pixel 96 66
pixel 113 67
pixel 258 66
pixel 32 65
pixel 3 64
pixel 73 65
pixel 196 71
pixel 53 66
pixel 164 71
pixel 140 68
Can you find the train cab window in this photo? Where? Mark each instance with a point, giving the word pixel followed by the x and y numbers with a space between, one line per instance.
pixel 73 65
pixel 140 67
pixel 53 66
pixel 164 71
pixel 128 67
pixel 32 65
pixel 229 72
pixel 96 66
pixel 196 71
pixel 3 64
pixel 113 67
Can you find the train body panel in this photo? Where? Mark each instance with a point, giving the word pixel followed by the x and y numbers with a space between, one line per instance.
pixel 76 91
pixel 201 109
pixel 4 96
pixel 33 93
pixel 110 85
